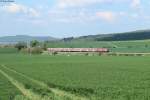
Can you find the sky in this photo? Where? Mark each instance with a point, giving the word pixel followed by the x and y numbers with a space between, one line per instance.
pixel 66 18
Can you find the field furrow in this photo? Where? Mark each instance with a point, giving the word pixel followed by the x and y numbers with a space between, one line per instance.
pixel 20 86
pixel 56 92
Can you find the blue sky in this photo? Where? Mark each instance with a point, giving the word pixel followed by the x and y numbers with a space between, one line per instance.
pixel 65 18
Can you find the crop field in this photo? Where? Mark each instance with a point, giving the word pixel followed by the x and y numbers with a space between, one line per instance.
pixel 7 90
pixel 44 77
pixel 114 46
pixel 8 50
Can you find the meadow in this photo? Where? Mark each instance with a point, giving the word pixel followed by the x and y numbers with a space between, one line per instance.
pixel 8 50
pixel 74 77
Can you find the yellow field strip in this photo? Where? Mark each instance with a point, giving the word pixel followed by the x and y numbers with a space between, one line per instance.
pixel 28 93
pixel 57 92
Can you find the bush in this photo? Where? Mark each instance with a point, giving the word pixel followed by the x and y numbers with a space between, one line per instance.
pixel 35 50
pixel 25 50
pixel 55 53
pixel 86 54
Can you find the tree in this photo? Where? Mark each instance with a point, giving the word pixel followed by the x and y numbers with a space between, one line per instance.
pixel 45 45
pixel 21 45
pixel 34 43
pixel 68 39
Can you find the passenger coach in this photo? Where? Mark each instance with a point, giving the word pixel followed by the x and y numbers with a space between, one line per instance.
pixel 101 50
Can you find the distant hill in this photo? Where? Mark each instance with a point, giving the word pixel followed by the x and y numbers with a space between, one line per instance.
pixel 134 35
pixel 126 36
pixel 25 38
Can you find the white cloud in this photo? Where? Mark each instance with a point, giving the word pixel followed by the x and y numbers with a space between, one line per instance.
pixel 83 16
pixel 17 8
pixel 136 3
pixel 64 14
pixel 106 15
pixel 83 3
pixel 33 12
pixel 79 3
pixel 70 17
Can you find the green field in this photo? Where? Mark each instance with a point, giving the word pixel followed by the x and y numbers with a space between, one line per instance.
pixel 8 50
pixel 114 46
pixel 7 90
pixel 75 77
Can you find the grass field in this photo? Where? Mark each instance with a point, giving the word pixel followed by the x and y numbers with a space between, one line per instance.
pixel 114 46
pixel 8 50
pixel 75 77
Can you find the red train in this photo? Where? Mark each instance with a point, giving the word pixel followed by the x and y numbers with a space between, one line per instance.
pixel 78 50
